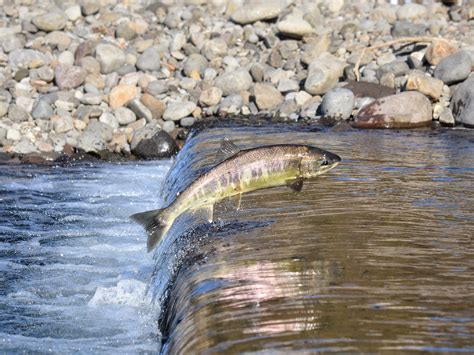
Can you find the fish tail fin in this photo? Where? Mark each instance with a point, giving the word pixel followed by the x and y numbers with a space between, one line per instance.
pixel 155 226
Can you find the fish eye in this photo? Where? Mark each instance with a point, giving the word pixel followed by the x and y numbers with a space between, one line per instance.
pixel 325 162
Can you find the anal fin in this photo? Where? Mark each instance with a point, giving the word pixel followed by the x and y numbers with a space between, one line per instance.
pixel 231 203
pixel 205 212
pixel 296 184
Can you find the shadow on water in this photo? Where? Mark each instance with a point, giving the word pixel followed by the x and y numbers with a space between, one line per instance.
pixel 375 255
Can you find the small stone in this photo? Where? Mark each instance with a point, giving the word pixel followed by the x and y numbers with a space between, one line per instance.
pixel 26 103
pixel 159 146
pixel 24 147
pixel 73 13
pixel 462 103
pixel 288 85
pixel 231 105
pixel 315 47
pixel 411 11
pixel 3 108
pixel 302 97
pixel 195 63
pixel 12 43
pixel 257 71
pixel 125 31
pixel 90 7
pixel 17 114
pixel 168 126
pixel 214 48
pixel 338 104
pixel 66 57
pixel 91 99
pixel 124 115
pixel 140 110
pixel 50 21
pixel 446 118
pixel 121 95
pixel 157 87
pixel 13 134
pixel 150 59
pixel 397 67
pixel 156 106
pixel 187 121
pixel 45 73
pixel 438 50
pixel 145 132
pixel 234 81
pixel 211 96
pixel 454 68
pixel 109 119
pixel 258 10
pixel 69 77
pixel 25 58
pixel 104 130
pixel 323 74
pixel 425 84
pixel 294 26
pixel 178 110
pixel 42 110
pixel 408 28
pixel 110 57
pixel 64 105
pixel 267 96
pixel 91 141
pixel 62 124
pixel 408 109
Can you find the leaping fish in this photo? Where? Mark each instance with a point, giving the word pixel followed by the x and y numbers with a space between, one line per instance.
pixel 243 171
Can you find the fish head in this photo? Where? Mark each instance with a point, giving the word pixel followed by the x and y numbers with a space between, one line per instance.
pixel 318 161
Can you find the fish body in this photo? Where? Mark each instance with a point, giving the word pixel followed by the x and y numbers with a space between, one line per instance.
pixel 244 171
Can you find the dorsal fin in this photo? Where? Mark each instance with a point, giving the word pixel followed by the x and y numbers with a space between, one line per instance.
pixel 227 149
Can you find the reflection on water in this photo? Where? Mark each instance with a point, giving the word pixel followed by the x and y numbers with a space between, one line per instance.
pixel 376 255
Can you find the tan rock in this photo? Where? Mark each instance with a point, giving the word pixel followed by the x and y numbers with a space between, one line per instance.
pixel 267 96
pixel 438 50
pixel 121 95
pixel 425 84
pixel 156 106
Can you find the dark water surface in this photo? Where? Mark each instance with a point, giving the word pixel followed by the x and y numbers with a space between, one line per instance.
pixel 378 254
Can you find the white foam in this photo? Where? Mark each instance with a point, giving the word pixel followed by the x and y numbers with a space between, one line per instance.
pixel 128 292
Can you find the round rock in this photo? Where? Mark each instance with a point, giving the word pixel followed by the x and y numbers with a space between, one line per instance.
pixel 159 146
pixel 454 68
pixel 338 104
pixel 178 110
pixel 259 10
pixel 110 57
pixel 267 96
pixel 234 81
pixel 50 21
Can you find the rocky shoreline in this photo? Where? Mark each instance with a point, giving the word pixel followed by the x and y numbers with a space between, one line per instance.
pixel 118 79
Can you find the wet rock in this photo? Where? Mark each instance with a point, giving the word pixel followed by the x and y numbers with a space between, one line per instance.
pixel 234 81
pixel 124 115
pixel 150 59
pixel 405 110
pixel 425 84
pixel 110 58
pixel 42 110
pixel 121 95
pixel 50 21
pixel 178 110
pixel 323 74
pixel 211 96
pixel 338 104
pixel 159 146
pixel 462 103
pixel 258 10
pixel 267 96
pixel 454 68
pixel 68 76
pixel 438 50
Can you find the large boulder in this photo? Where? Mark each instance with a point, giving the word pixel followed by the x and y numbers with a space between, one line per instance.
pixel 462 103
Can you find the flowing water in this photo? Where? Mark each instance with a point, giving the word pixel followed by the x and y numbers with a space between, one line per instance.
pixel 376 255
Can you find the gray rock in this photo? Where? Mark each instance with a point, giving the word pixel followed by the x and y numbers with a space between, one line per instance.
pixel 42 110
pixel 446 118
pixel 90 7
pixel 140 110
pixel 124 115
pixel 211 96
pixel 178 110
pixel 462 103
pixel 411 11
pixel 258 10
pixel 17 114
pixel 44 73
pixel 91 99
pixel 109 119
pixel 11 43
pixel 157 87
pixel 50 21
pixel 143 133
pixel 159 146
pixel 408 109
pixel 13 134
pixel 214 48
pixel 110 57
pixel 168 126
pixel 195 63
pixel 323 74
pixel 406 29
pixel 103 130
pixel 187 121
pixel 3 108
pixel 397 68
pixel 257 71
pixel 24 147
pixel 294 26
pixel 150 59
pixel 231 104
pixel 23 57
pixel 91 141
pixel 68 76
pixel 267 96
pixel 454 68
pixel 234 81
pixel 125 31
pixel 338 104
pixel 288 85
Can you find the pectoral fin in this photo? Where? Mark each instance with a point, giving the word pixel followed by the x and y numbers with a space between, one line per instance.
pixel 231 203
pixel 296 184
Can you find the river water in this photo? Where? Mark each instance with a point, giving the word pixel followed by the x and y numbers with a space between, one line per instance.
pixel 376 255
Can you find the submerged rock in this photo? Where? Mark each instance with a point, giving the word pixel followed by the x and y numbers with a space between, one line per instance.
pixel 405 110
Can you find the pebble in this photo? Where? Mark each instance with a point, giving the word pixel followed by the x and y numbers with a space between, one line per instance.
pixel 462 104
pixel 338 104
pixel 408 109
pixel 267 96
pixel 323 74
pixel 234 81
pixel 121 95
pixel 41 110
pixel 195 63
pixel 411 11
pixel 446 118
pixel 50 21
pixel 109 119
pixel 211 96
pixel 178 110
pixel 150 59
pixel 397 68
pixel 294 26
pixel 13 134
pixel 454 68
pixel 288 85
pixel 68 76
pixel 110 57
pixel 438 50
pixel 140 110
pixel 154 105
pixel 187 121
pixel 258 10
pixel 425 84
pixel 17 114
pixel 157 87
pixel 124 115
